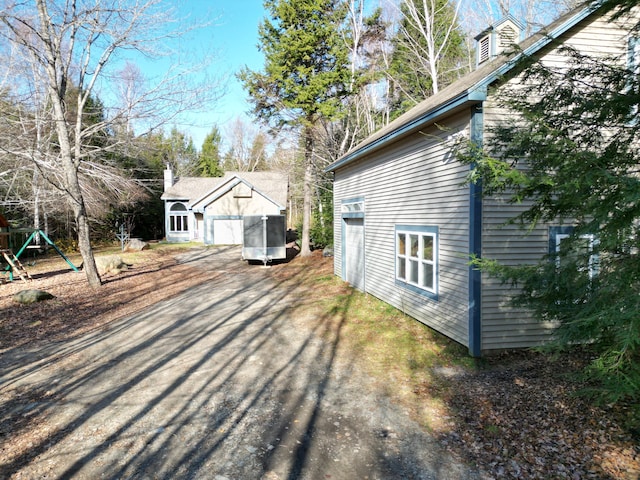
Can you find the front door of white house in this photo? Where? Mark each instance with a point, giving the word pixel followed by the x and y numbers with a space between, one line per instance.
pixel 354 252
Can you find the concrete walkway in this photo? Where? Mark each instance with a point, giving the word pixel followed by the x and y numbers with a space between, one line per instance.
pixel 224 382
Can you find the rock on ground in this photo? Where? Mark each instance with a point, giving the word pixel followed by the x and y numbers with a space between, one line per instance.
pixel 136 245
pixel 26 297
pixel 111 264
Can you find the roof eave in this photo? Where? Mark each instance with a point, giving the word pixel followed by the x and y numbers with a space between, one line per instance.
pixel 232 182
pixel 476 93
pixel 217 187
pixel 471 95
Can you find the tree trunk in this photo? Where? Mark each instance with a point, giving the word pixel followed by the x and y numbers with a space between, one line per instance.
pixel 69 154
pixel 84 243
pixel 82 223
pixel 36 205
pixel 305 242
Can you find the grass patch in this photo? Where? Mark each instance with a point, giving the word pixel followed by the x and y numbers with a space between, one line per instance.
pixel 394 348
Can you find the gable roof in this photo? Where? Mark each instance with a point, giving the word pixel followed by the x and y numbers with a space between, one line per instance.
pixel 192 190
pixel 471 88
pixel 498 24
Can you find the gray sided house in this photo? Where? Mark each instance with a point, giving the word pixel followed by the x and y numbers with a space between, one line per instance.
pixel 211 210
pixel 405 222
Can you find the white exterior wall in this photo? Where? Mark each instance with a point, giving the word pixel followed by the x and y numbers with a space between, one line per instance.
pixel 241 201
pixel 413 182
pixel 178 236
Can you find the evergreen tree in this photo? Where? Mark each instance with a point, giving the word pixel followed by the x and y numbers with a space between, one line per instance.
pixel 305 76
pixel 570 149
pixel 209 162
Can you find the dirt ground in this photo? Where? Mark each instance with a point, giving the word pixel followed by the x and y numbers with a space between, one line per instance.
pixel 196 365
pixel 222 376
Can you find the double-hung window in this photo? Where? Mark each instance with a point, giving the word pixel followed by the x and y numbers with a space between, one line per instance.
pixel 178 219
pixel 584 247
pixel 417 258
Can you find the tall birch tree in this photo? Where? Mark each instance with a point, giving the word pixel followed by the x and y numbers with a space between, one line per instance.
pixel 429 51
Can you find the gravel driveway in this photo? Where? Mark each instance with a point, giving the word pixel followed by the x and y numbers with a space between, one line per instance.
pixel 224 382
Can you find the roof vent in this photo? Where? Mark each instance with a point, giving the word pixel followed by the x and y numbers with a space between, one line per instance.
pixel 497 38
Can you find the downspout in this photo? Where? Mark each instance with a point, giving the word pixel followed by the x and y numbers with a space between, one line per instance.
pixel 475 241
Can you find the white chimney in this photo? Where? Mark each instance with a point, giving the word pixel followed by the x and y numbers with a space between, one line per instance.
pixel 168 178
pixel 497 38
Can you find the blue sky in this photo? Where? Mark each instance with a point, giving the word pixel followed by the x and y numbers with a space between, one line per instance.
pixel 232 38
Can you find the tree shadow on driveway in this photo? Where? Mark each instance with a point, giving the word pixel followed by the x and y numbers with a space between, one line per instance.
pixel 227 380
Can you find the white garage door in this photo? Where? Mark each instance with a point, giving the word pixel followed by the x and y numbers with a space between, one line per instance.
pixel 227 232
pixel 354 252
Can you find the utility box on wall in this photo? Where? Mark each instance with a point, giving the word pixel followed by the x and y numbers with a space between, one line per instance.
pixel 264 238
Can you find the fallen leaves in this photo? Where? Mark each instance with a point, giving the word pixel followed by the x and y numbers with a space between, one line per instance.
pixel 78 308
pixel 518 417
pixel 521 418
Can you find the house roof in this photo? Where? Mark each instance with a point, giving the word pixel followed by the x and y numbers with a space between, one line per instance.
pixel 272 185
pixel 471 88
pixel 505 19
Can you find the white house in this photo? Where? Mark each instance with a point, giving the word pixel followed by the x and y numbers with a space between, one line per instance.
pixel 211 209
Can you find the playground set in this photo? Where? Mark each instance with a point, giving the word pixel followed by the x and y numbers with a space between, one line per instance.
pixel 11 236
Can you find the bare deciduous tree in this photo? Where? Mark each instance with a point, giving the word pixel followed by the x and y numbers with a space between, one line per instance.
pixel 533 14
pixel 366 38
pixel 427 30
pixel 67 51
pixel 247 147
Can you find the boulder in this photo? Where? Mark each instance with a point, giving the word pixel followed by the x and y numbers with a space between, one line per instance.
pixel 27 297
pixel 135 245
pixel 111 264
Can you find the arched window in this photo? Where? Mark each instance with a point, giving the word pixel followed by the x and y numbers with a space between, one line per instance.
pixel 178 220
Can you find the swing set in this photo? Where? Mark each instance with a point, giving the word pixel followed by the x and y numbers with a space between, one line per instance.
pixel 14 266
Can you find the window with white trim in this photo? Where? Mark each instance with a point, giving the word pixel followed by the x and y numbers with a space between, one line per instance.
pixel 178 218
pixel 585 246
pixel 417 257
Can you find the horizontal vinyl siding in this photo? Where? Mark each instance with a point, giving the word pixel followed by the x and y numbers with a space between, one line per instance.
pixel 413 182
pixel 504 326
pixel 602 36
pixel 597 36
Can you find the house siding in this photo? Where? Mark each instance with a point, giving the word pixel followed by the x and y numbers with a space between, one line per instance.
pixel 599 35
pixel 504 326
pixel 238 202
pixel 413 183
